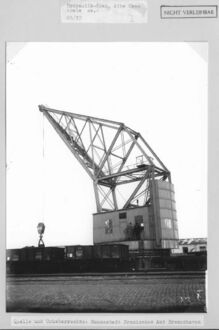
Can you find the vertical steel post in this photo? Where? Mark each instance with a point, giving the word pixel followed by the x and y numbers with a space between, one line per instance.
pixel 155 210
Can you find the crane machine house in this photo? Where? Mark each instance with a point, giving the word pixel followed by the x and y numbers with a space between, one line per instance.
pixel 133 190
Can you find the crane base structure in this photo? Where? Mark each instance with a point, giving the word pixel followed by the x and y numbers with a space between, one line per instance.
pixel 134 195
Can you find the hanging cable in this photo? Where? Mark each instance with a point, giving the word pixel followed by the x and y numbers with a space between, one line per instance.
pixel 43 169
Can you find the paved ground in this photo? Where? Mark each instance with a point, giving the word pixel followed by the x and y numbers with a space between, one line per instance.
pixel 106 294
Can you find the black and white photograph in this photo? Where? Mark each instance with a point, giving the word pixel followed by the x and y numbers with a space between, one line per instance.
pixel 106 177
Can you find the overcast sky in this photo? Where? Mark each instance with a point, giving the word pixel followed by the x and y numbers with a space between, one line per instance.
pixel 158 89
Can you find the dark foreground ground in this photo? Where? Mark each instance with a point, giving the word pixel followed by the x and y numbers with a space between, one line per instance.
pixel 154 293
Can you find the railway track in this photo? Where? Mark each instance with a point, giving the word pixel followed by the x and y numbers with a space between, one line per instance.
pixel 110 276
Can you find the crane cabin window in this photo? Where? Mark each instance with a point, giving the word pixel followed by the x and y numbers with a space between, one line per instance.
pixel 108 226
pixel 122 215
pixel 168 223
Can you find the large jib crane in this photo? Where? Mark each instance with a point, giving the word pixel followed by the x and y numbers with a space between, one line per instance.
pixel 123 167
pixel 104 148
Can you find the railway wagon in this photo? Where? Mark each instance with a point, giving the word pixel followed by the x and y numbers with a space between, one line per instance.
pixel 111 251
pixel 97 258
pixel 98 251
pixel 78 259
pixel 191 261
pixel 110 258
pixel 177 262
pixel 33 260
pixel 75 252
pixel 35 254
